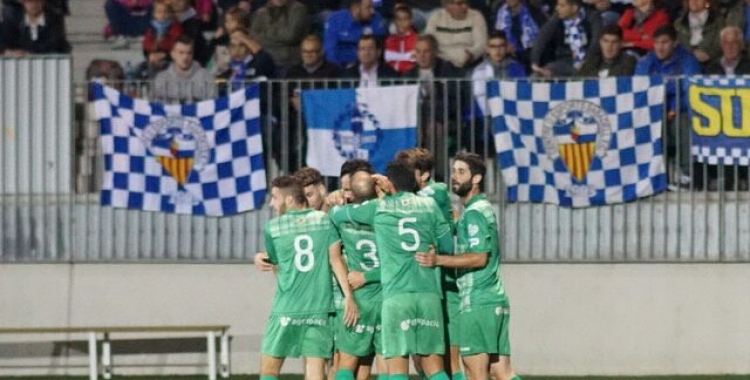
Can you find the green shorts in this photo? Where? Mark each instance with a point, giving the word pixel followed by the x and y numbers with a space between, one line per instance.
pixel 335 320
pixel 484 330
pixel 364 338
pixel 413 324
pixel 298 335
pixel 451 306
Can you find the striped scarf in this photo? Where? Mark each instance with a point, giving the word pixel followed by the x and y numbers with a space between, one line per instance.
pixel 575 37
pixel 529 28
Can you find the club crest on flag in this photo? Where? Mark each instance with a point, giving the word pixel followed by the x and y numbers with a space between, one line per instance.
pixel 576 132
pixel 355 133
pixel 179 145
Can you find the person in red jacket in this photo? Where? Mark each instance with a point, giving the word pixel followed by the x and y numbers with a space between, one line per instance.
pixel 160 37
pixel 639 23
pixel 399 47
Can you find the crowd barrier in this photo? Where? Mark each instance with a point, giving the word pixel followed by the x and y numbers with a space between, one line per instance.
pixel 52 170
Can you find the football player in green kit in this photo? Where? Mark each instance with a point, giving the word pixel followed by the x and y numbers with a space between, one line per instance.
pixel 304 247
pixel 412 313
pixel 485 311
pixel 359 343
pixel 424 163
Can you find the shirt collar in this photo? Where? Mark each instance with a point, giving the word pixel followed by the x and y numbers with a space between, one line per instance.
pixel 475 199
pixel 40 21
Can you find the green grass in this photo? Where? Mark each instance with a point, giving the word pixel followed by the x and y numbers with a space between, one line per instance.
pixel 299 377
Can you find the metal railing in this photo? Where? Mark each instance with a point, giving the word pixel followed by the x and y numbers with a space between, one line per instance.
pixel 693 223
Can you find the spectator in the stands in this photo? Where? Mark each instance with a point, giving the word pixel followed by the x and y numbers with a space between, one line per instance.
pixel 461 33
pixel 192 26
pixel 235 18
pixel 279 26
pixel 638 25
pixel 344 28
pixel 607 11
pixel 698 30
pixel 206 13
pixel 610 61
pixel 672 60
pixel 497 64
pixel 250 62
pixel 37 31
pixel 733 61
pixel 184 80
pixel 399 46
pixel 439 83
pixel 369 70
pixel 161 35
pixel 127 19
pixel 566 40
pixel 313 72
pixel 520 21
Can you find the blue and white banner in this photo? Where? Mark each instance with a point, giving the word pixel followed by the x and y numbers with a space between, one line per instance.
pixel 720 119
pixel 368 123
pixel 579 144
pixel 204 158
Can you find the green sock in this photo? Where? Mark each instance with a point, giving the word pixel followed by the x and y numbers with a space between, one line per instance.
pixel 422 375
pixel 459 376
pixel 400 376
pixel 268 377
pixel 440 376
pixel 382 376
pixel 344 374
pixel 516 377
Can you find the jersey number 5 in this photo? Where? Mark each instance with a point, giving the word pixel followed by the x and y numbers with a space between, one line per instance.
pixel 404 230
pixel 304 260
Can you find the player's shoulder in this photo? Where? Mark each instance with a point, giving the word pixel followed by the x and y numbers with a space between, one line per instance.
pixel 481 207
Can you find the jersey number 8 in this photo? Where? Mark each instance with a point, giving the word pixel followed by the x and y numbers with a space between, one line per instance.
pixel 304 260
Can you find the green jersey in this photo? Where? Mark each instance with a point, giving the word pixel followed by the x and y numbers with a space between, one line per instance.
pixel 361 255
pixel 404 224
pixel 297 243
pixel 439 192
pixel 477 232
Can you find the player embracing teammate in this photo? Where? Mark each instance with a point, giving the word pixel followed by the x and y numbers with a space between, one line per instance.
pixel 400 265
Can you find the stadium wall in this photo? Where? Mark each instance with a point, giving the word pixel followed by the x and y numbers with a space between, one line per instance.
pixel 568 319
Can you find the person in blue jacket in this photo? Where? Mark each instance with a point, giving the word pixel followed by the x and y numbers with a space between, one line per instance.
pixel 675 63
pixel 344 28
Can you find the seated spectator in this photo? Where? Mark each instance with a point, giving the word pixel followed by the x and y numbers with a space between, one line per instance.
pixel 313 66
pixel 437 94
pixel 37 31
pixel 184 80
pixel 520 22
pixel 698 30
pixel 566 40
pixel 638 25
pixel 670 59
pixel 245 5
pixel 249 62
pixel 461 33
pixel 279 26
pixel 206 14
pixel 127 19
pixel 369 70
pixel 606 10
pixel 497 64
pixel 235 19
pixel 191 26
pixel 733 61
pixel 344 28
pixel 399 46
pixel 161 35
pixel 610 61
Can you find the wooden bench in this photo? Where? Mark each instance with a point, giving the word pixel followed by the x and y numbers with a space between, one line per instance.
pixel 92 332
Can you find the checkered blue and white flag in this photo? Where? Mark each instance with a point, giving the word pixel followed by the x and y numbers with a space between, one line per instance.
pixel 581 143
pixel 204 158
